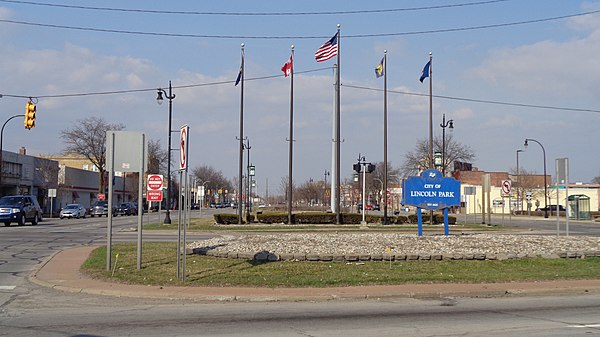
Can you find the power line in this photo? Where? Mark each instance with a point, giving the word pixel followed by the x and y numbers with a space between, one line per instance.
pixel 149 11
pixel 474 100
pixel 129 91
pixel 266 37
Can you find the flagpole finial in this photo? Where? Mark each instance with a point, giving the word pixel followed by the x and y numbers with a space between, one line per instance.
pixel 385 51
pixel 338 26
pixel 430 54
pixel 243 45
pixel 292 47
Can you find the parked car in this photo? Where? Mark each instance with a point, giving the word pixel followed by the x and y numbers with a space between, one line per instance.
pixel 99 208
pixel 376 207
pixel 552 208
pixel 72 211
pixel 20 209
pixel 126 208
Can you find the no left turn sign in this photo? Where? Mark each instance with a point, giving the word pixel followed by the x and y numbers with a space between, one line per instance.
pixel 506 187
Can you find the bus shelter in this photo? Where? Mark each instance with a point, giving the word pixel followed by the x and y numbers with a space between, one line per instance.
pixel 579 207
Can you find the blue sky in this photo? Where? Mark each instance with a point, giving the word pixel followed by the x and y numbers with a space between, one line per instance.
pixel 549 63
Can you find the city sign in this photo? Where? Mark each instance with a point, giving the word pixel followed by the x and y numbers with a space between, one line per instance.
pixel 431 191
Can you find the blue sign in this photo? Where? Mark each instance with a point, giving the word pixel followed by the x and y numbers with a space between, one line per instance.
pixel 431 191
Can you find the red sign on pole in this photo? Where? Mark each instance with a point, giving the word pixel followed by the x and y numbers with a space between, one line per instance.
pixel 154 195
pixel 101 196
pixel 155 182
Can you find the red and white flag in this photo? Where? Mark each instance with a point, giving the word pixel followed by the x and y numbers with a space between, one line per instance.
pixel 288 67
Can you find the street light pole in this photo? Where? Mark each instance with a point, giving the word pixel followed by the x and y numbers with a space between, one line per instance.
pixel 545 176
pixel 449 124
pixel 1 143
pixel 170 96
pixel 519 183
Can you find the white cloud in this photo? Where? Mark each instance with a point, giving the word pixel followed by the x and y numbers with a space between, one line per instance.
pixel 547 68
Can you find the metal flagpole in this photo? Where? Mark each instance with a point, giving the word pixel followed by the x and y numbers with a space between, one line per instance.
pixel 337 133
pixel 431 165
pixel 385 160
pixel 241 139
pixel 291 140
pixel 430 112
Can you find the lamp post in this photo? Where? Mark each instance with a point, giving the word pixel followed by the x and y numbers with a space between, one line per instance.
pixel 159 99
pixel 519 182
pixel 545 182
pixel 1 143
pixel 445 124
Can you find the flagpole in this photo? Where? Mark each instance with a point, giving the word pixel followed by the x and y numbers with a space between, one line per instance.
pixel 337 133
pixel 431 165
pixel 430 113
pixel 241 139
pixel 385 159
pixel 291 140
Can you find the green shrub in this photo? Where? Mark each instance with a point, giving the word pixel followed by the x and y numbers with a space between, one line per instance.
pixel 271 218
pixel 228 219
pixel 315 218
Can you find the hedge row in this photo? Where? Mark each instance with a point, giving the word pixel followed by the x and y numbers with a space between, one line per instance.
pixel 324 218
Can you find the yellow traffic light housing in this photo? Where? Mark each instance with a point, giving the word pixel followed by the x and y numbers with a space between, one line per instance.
pixel 30 110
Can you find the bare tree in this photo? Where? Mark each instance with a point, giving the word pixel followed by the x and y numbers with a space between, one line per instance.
pixel 157 157
pixel 284 188
pixel 418 159
pixel 88 138
pixel 596 180
pixel 310 192
pixel 212 179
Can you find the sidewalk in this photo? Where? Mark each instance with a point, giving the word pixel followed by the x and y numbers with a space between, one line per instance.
pixel 61 271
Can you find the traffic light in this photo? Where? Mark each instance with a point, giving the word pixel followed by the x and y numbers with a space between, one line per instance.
pixel 29 121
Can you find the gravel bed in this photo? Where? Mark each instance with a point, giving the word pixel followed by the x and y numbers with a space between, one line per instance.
pixel 377 243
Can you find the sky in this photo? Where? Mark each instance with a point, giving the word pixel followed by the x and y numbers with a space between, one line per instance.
pixel 541 57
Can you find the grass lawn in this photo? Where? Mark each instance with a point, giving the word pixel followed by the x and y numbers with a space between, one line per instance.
pixel 159 267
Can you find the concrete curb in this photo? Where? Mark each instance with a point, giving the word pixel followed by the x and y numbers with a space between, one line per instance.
pixel 61 272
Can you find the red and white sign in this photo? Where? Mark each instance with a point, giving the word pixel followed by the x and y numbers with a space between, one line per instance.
pixel 183 147
pixel 155 182
pixel 101 196
pixel 154 195
pixel 506 187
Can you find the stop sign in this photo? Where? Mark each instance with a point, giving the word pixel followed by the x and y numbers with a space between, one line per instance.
pixel 155 182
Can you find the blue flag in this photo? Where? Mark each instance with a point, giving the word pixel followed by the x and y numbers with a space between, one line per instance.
pixel 379 70
pixel 425 72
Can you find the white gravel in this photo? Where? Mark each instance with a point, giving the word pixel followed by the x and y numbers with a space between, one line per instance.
pixel 378 243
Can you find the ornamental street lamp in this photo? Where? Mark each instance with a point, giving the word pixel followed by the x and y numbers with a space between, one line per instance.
pixel 545 176
pixel 449 124
pixel 159 99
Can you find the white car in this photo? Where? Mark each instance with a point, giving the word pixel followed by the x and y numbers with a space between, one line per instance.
pixel 73 211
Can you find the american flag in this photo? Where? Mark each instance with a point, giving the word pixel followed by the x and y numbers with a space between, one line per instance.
pixel 327 50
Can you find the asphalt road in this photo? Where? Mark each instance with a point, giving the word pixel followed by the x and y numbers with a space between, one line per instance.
pixel 30 310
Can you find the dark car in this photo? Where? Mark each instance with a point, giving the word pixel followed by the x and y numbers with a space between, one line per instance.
pixel 552 208
pixel 126 208
pixel 20 209
pixel 99 208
